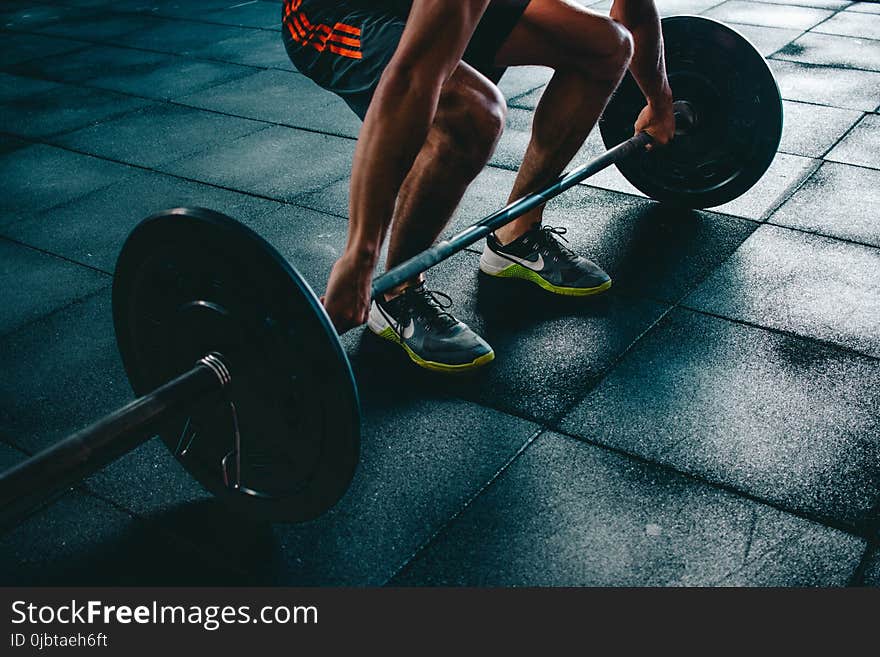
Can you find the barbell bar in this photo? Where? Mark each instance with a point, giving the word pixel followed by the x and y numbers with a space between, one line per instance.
pixel 237 366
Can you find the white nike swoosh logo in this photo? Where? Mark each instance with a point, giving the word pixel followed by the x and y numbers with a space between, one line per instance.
pixel 407 332
pixel 536 265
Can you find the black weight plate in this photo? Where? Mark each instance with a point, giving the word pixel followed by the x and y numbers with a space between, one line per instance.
pixel 193 281
pixel 738 113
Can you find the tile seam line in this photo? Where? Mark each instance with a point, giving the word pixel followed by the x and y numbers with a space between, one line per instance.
pixel 795 229
pixel 790 191
pixel 533 437
pixel 52 254
pixel 834 13
pixel 857 530
pixel 86 489
pixel 84 84
pixel 123 46
pixel 840 140
pixel 842 36
pixel 142 167
pixel 835 67
pixel 827 344
pixel 52 313
pixel 115 12
pixel 858 577
pixel 597 380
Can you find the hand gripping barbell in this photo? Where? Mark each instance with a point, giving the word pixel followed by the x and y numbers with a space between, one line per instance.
pixel 240 370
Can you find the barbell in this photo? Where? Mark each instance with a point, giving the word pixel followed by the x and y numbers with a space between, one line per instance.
pixel 237 366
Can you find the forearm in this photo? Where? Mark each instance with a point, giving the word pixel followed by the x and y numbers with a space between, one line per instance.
pixel 394 131
pixel 640 17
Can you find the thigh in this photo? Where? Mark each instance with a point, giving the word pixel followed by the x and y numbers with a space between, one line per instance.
pixel 553 32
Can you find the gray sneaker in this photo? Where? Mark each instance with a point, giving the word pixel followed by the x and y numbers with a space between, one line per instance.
pixel 418 321
pixel 540 257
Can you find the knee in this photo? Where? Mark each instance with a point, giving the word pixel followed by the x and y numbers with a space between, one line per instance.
pixel 621 41
pixel 471 121
pixel 607 55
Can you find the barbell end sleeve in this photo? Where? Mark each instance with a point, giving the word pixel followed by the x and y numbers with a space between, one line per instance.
pixel 30 483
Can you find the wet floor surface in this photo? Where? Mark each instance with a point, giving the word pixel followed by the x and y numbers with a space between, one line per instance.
pixel 710 421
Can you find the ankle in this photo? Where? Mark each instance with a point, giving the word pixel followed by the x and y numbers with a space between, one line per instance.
pixel 507 234
pixel 400 289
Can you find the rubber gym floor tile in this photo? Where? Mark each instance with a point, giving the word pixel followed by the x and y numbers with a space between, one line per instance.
pixel 423 457
pixel 92 62
pixel 831 50
pixel 519 80
pixel 848 88
pixel 172 78
pixel 81 540
pixel 171 8
pixel 33 284
pixel 836 201
pixel 548 350
pixel 9 456
pixel 36 17
pixel 872 571
pixel 61 373
pixel 767 40
pixel 850 23
pixel 311 241
pixel 18 48
pixel 778 182
pixel 14 87
pixel 759 13
pixel 865 7
pixel 861 146
pixel 665 7
pixel 280 97
pixel 63 110
pixel 9 144
pixel 260 48
pixel 570 514
pixel 150 483
pixel 40 177
pixel 158 135
pixel 819 4
pixel 809 285
pixel 779 417
pixel 92 229
pixel 811 130
pixel 649 249
pixel 277 163
pixel 98 26
pixel 266 15
pixel 177 38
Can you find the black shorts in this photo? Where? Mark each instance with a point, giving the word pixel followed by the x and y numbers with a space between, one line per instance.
pixel 345 46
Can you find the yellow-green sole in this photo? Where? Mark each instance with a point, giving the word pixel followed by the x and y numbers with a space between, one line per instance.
pixel 518 271
pixel 389 334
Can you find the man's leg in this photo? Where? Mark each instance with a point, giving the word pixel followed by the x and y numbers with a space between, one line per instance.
pixel 468 123
pixel 589 53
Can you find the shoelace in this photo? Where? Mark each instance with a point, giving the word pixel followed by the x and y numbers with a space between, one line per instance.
pixel 432 305
pixel 547 237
